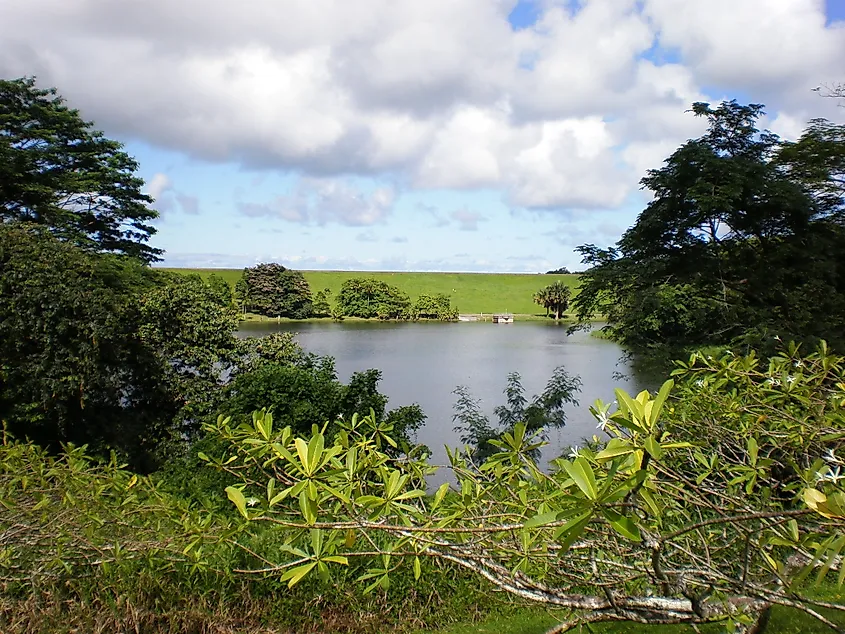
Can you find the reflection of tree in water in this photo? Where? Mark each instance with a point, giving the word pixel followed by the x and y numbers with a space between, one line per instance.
pixel 545 410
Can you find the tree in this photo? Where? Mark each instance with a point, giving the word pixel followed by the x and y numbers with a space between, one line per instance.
pixel 664 522
pixel 56 171
pixel 437 307
pixel 544 411
pixel 554 298
pixel 275 291
pixel 742 227
pixel 72 366
pixel 370 298
pixel 322 303
pixel 98 349
pixel 561 271
pixel 221 290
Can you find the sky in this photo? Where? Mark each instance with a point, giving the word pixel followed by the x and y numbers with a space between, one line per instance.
pixel 441 135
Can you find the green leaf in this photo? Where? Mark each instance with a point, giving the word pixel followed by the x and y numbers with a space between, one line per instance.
pixel 615 447
pixel 582 473
pixel 237 496
pixel 653 447
pixel 417 568
pixel 626 527
pixel 659 400
pixel 295 575
pixel 541 520
pixel 441 493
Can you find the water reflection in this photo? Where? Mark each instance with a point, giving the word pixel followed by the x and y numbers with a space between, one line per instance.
pixel 424 362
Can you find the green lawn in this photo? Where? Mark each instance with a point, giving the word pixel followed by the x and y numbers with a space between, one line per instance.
pixel 470 292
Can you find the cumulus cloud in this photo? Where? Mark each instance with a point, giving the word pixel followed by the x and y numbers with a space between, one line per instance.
pixel 167 198
pixel 322 201
pixel 566 113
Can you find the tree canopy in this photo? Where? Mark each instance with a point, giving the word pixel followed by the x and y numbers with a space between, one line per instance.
pixel 744 238
pixel 554 298
pixel 370 298
pixel 57 171
pixel 273 290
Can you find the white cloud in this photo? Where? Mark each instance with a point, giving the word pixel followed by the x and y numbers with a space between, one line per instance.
pixel 159 184
pixel 323 200
pixel 435 94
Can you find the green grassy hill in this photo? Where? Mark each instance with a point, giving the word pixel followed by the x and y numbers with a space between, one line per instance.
pixel 470 292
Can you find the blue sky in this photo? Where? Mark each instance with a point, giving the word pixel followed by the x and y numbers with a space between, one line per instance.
pixel 458 135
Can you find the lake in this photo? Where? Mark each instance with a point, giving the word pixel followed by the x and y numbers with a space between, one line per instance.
pixel 424 362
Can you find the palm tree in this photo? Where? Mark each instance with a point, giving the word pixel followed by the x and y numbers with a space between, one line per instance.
pixel 558 297
pixel 541 297
pixel 554 297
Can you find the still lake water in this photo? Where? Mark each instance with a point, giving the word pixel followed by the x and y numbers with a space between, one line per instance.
pixel 424 362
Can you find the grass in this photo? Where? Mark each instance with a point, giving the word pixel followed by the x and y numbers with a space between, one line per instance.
pixel 470 292
pixel 538 621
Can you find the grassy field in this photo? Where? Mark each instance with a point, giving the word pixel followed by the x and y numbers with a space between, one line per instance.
pixel 470 292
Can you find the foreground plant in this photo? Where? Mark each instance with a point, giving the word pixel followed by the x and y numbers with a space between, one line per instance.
pixel 709 506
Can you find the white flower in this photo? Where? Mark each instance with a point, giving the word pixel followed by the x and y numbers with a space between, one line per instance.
pixel 773 382
pixel 833 475
pixel 604 421
pixel 251 501
pixel 573 452
pixel 830 456
pixel 699 383
pixel 790 379
pixel 798 364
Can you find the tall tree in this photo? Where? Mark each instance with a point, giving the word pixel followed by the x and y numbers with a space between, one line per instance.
pixel 57 171
pixel 743 238
pixel 275 291
pixel 555 298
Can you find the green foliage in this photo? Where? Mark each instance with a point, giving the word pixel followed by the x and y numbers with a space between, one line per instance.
pixel 56 171
pixel 683 522
pixel 371 298
pixel 221 290
pixel 554 298
pixel 72 367
pixel 322 303
pixel 307 392
pixel 545 410
pixel 89 546
pixel 274 291
pixel 96 349
pixel 437 307
pixel 744 239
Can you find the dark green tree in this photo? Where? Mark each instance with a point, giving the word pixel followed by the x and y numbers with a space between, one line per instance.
pixel 221 290
pixel 72 365
pixel 371 298
pixel 554 298
pixel 57 171
pixel 101 350
pixel 437 307
pixel 275 291
pixel 742 240
pixel 322 303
